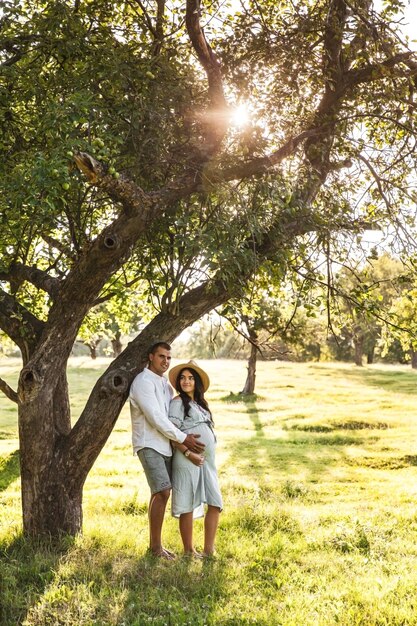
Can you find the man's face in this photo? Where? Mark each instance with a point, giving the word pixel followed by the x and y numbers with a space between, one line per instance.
pixel 159 361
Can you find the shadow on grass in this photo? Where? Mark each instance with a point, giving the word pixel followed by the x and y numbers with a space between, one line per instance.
pixel 172 592
pixel 253 412
pixel 88 582
pixel 390 381
pixel 385 462
pixel 9 469
pixel 261 457
pixel 26 569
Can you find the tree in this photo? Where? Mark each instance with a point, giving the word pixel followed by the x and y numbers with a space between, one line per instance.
pixel 258 316
pixel 113 90
pixel 119 313
pixel 365 296
pixel 403 310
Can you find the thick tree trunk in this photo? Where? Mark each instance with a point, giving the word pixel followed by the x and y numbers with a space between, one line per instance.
pixel 55 458
pixel 413 359
pixel 51 506
pixel 370 355
pixel 48 507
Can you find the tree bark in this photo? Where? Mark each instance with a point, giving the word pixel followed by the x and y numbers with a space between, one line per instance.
pixel 55 458
pixel 117 344
pixel 49 509
pixel 413 359
pixel 358 349
pixel 249 387
pixel 92 346
pixel 370 355
pixel 358 341
pixel 49 506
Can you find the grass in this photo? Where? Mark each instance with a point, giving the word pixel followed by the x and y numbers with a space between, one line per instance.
pixel 318 473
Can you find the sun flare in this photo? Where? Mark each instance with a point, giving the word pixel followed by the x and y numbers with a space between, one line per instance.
pixel 240 115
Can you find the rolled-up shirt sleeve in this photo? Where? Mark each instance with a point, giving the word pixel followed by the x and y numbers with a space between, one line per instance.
pixel 142 393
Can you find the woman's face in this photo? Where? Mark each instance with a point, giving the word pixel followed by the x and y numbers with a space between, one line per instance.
pixel 187 382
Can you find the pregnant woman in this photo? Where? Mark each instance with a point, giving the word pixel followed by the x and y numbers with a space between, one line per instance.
pixel 194 477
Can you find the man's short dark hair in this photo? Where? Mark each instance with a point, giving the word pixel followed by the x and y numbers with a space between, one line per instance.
pixel 159 344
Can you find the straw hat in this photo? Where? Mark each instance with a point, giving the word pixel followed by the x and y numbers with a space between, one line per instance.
pixel 173 373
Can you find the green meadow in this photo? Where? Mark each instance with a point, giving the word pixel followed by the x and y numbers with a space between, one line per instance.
pixel 318 473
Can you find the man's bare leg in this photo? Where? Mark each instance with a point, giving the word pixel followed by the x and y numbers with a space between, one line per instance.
pixel 156 513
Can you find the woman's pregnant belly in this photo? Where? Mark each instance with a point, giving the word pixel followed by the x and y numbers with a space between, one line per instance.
pixel 205 432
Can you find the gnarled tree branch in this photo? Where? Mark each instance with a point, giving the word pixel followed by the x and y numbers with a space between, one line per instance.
pixel 19 273
pixel 217 117
pixel 205 54
pixel 122 190
pixel 8 391
pixel 387 68
pixel 19 324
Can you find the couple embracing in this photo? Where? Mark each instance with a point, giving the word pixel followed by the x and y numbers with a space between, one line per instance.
pixel 175 442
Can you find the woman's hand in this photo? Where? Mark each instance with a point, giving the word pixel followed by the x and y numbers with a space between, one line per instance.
pixel 195 458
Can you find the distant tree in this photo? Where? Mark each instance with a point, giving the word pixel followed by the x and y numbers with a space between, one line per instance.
pixel 363 298
pixel 120 313
pixel 308 335
pixel 404 310
pixel 257 314
pixel 276 315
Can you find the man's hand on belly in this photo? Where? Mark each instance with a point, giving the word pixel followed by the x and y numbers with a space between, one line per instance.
pixel 192 443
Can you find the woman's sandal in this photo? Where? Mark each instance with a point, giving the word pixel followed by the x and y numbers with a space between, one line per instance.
pixel 193 555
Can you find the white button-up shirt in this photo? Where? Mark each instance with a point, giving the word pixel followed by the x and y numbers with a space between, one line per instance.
pixel 149 399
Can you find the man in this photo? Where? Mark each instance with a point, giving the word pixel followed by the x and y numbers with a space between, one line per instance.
pixel 152 431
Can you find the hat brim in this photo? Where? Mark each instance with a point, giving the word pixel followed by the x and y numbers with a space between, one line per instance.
pixel 173 373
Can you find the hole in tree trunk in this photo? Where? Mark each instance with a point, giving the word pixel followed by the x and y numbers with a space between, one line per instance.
pixel 115 382
pixel 110 242
pixel 28 377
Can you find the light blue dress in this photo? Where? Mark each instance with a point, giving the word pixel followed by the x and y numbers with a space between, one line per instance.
pixel 193 486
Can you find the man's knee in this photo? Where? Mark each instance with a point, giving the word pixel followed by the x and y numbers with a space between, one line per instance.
pixel 163 495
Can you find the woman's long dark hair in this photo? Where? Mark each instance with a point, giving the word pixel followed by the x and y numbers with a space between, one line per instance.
pixel 198 392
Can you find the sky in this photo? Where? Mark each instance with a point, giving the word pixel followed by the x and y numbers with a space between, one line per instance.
pixel 410 18
pixel 412 14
